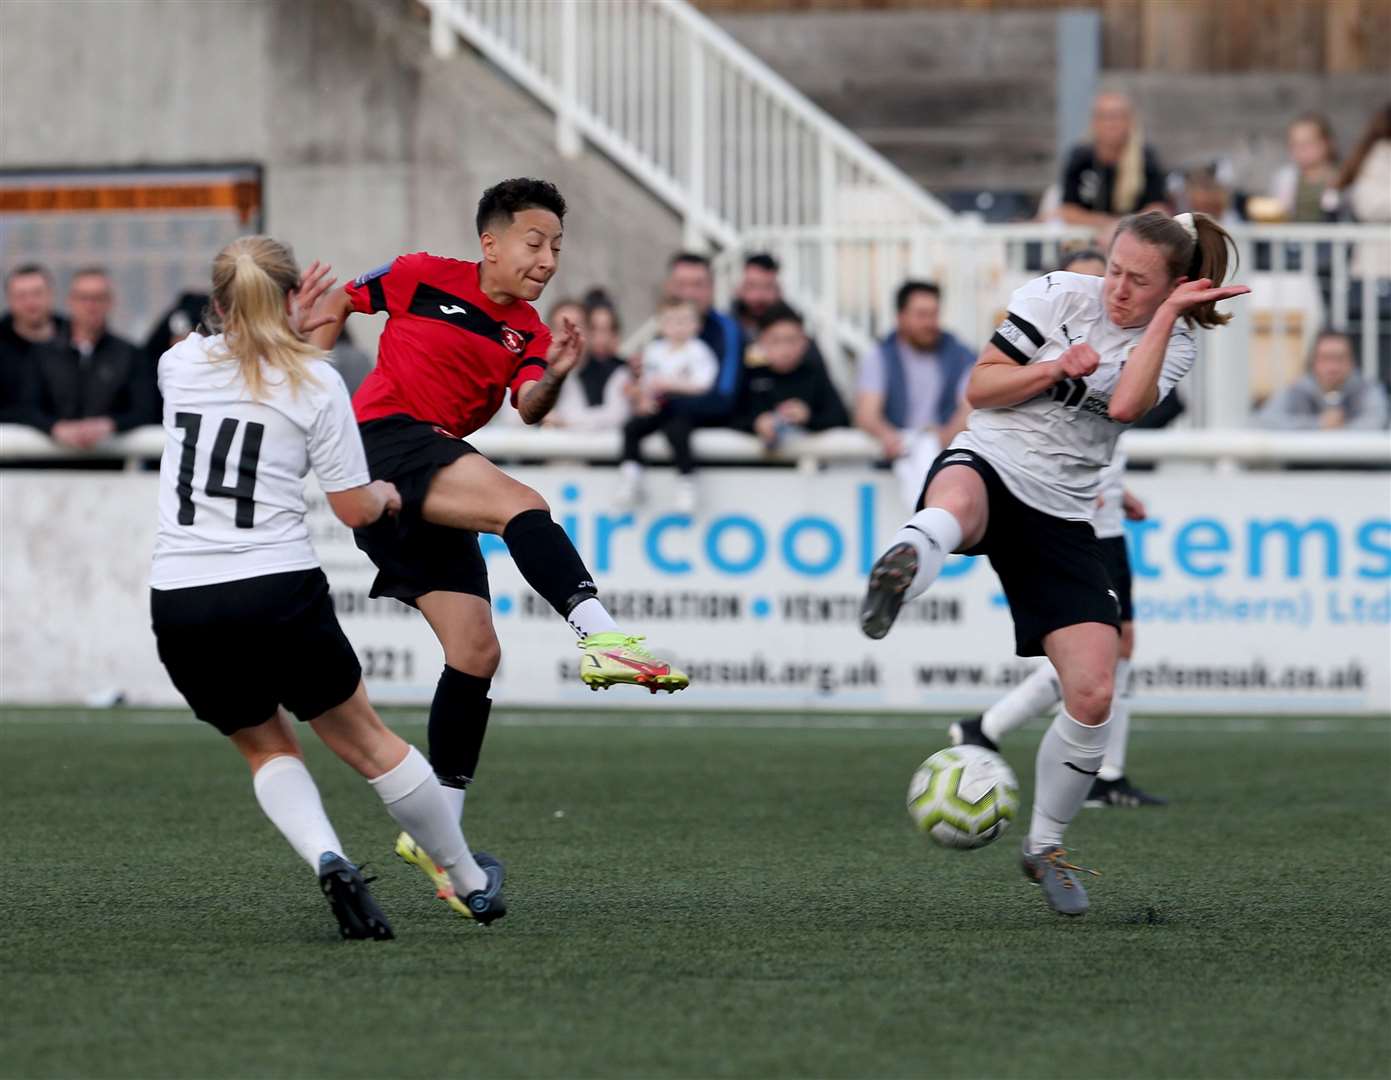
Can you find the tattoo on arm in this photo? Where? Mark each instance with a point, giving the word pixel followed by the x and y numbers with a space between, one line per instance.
pixel 538 398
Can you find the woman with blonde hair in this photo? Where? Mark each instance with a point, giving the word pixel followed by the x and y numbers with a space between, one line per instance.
pixel 1113 175
pixel 241 610
pixel 1077 360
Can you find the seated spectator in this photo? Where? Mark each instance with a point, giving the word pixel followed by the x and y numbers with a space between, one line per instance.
pixel 1205 193
pixel 677 368
pixel 595 395
pixel 1306 188
pixel 29 322
pixel 911 385
pixel 1366 176
pixel 757 291
pixel 92 383
pixel 1333 396
pixel 689 278
pixel 1113 175
pixel 786 388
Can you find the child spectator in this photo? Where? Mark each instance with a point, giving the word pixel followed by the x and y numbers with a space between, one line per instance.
pixel 787 390
pixel 676 366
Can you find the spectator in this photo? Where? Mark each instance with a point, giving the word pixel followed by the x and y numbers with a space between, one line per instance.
pixel 1305 189
pixel 758 290
pixel 595 396
pixel 92 383
pixel 910 387
pixel 29 322
pixel 788 392
pixel 1366 176
pixel 677 368
pixel 689 278
pixel 1333 396
pixel 1113 175
pixel 1205 193
pixel 175 325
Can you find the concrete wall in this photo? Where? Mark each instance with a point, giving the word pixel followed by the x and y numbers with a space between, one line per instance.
pixel 371 147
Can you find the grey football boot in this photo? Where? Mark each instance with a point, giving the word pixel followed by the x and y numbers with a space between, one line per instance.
pixel 889 579
pixel 1059 879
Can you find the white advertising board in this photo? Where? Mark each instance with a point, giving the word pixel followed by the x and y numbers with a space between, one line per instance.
pixel 1255 592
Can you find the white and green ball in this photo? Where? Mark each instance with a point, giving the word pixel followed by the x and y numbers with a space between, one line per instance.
pixel 963 796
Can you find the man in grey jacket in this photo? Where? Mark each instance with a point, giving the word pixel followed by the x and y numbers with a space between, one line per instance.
pixel 1333 396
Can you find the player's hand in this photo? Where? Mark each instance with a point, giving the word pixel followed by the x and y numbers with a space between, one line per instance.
pixel 1078 362
pixel 1134 509
pixel 1190 294
pixel 566 348
pixel 307 313
pixel 390 497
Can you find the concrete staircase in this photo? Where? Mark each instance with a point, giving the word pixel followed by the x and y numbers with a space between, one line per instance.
pixel 957 101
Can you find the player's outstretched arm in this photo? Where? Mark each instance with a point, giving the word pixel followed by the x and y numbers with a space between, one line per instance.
pixel 1137 390
pixel 327 319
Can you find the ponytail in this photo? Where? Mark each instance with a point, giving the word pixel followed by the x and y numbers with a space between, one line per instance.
pixel 1206 254
pixel 252 276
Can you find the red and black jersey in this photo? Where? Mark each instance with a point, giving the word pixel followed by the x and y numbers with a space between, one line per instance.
pixel 448 354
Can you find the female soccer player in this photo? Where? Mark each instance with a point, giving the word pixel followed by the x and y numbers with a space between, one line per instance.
pixel 241 611
pixel 1041 690
pixel 458 336
pixel 1076 360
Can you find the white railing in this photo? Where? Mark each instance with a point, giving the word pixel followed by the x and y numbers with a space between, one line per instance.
pixel 839 447
pixel 691 113
pixel 1303 277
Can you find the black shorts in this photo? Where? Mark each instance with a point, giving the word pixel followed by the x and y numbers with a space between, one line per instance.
pixel 1117 558
pixel 412 556
pixel 1053 571
pixel 238 649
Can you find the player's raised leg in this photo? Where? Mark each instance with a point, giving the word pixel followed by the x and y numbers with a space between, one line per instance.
pixel 954 518
pixel 472 493
pixel 1069 756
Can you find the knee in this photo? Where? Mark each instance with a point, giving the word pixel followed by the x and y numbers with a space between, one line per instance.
pixel 523 499
pixel 1090 703
pixel 480 655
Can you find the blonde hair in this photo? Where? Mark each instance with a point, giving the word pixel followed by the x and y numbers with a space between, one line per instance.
pixel 1206 256
pixel 1130 170
pixel 252 276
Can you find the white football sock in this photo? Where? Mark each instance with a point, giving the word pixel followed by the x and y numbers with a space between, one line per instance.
pixel 934 534
pixel 454 796
pixel 1033 697
pixel 1067 763
pixel 414 797
pixel 591 617
pixel 1113 764
pixel 290 799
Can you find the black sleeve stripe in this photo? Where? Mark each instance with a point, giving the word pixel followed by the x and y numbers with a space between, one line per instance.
pixel 1027 328
pixel 377 294
pixel 1007 347
pixel 530 361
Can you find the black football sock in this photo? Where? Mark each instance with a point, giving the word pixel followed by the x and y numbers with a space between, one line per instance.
pixel 552 566
pixel 458 722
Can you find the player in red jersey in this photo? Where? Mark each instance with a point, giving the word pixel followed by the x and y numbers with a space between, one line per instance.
pixel 460 335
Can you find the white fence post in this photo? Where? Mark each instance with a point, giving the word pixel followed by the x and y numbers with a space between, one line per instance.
pixel 567 135
pixel 830 254
pixel 444 42
pixel 695 141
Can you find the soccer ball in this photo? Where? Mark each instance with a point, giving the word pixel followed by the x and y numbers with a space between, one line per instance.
pixel 963 796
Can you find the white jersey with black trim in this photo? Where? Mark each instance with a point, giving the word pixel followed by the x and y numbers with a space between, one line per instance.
pixel 1109 519
pixel 1050 450
pixel 231 496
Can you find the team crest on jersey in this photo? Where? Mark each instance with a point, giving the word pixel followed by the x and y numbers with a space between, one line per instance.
pixel 511 339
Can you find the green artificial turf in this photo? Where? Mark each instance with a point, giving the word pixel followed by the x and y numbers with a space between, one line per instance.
pixel 698 901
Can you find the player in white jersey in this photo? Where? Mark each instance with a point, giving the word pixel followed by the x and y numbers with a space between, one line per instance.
pixel 1041 690
pixel 1075 362
pixel 241 611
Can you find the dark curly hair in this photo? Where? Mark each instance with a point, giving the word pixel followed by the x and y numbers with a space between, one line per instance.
pixel 501 202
